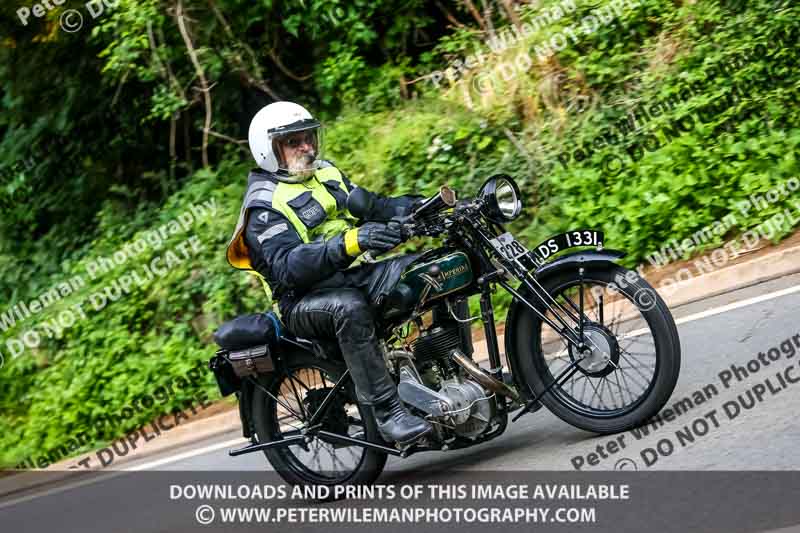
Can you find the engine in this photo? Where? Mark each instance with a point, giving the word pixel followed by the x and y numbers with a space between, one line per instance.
pixel 457 404
pixel 434 383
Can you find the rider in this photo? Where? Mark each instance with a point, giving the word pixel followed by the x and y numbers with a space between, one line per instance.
pixel 296 232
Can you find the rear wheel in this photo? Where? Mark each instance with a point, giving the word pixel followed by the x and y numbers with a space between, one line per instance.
pixel 299 392
pixel 631 363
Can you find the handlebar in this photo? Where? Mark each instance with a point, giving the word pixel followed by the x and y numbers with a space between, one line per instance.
pixel 410 224
pixel 444 199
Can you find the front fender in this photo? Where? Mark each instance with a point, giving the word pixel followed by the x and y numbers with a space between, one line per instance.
pixel 565 262
pixel 577 259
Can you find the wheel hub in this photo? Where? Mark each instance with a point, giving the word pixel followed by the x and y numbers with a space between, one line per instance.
pixel 600 353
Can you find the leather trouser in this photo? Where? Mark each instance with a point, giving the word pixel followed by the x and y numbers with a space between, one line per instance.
pixel 345 315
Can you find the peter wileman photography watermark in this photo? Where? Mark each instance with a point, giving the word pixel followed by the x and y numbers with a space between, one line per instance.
pixel 772 381
pixel 749 241
pixel 71 20
pixel 516 37
pixel 158 266
pixel 642 115
pixel 121 447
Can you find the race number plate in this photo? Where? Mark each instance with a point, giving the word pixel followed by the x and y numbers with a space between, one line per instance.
pixel 510 248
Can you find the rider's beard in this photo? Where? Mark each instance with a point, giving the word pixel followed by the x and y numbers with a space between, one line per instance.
pixel 302 164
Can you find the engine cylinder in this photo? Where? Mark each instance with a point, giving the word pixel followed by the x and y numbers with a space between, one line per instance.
pixel 437 342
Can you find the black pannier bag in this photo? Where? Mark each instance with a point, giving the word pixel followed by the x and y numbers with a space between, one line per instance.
pixel 248 331
pixel 246 342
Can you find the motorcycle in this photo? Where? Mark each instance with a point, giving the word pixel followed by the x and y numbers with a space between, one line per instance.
pixel 586 338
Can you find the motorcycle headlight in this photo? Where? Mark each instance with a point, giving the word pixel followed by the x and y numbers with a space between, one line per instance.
pixel 502 198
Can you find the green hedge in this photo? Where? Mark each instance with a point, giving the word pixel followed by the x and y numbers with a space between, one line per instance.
pixel 140 342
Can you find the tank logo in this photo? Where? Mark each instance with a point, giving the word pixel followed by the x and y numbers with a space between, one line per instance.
pixel 454 272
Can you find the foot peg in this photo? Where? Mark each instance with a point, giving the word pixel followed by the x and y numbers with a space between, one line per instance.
pixel 422 438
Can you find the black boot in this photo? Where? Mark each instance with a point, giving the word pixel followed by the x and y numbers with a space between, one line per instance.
pixel 376 388
pixel 396 424
pixel 346 315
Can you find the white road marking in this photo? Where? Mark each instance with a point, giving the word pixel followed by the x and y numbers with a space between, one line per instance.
pixel 110 474
pixel 187 455
pixel 227 444
pixel 737 305
pixel 719 310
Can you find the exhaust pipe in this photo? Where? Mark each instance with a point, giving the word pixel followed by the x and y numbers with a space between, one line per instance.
pixel 482 377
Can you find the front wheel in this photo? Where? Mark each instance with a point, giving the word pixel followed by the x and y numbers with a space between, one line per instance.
pixel 629 367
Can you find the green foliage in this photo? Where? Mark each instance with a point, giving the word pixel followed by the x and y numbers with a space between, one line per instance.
pixel 690 180
pixel 101 140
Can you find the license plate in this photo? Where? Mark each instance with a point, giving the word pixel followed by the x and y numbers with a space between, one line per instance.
pixel 510 248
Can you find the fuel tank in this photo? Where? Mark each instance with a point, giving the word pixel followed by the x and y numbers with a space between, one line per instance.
pixel 449 270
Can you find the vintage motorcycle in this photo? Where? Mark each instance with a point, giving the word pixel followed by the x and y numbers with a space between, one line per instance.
pixel 585 337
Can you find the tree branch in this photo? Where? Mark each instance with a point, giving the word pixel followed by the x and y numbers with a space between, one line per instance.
pixel 239 143
pixel 173 154
pixel 448 15
pixel 163 66
pixel 201 75
pixel 511 12
pixel 475 14
pixel 277 60
pixel 256 80
pixel 487 16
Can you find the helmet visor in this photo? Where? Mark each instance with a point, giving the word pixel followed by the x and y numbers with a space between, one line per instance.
pixel 297 147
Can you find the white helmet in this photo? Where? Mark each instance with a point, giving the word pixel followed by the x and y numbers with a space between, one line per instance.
pixel 270 125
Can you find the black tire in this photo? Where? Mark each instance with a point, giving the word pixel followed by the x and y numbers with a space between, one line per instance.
pixel 284 460
pixel 526 341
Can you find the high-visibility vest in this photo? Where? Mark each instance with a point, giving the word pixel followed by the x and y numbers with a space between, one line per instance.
pixel 316 208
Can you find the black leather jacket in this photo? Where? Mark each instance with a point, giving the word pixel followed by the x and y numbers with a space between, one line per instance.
pixel 292 268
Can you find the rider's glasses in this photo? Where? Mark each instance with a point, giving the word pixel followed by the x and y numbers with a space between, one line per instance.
pixel 295 140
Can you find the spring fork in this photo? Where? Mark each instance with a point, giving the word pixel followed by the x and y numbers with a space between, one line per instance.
pixel 580 305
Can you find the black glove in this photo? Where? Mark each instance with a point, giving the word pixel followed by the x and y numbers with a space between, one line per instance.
pixel 375 236
pixel 414 202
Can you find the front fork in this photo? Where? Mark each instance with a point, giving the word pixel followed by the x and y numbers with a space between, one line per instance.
pixel 487 315
pixel 490 331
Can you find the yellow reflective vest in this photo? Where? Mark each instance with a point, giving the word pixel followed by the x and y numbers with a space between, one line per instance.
pixel 316 208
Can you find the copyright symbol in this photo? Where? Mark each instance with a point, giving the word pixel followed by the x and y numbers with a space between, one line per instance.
pixel 626 464
pixel 71 20
pixel 612 164
pixel 645 299
pixel 483 82
pixel 204 515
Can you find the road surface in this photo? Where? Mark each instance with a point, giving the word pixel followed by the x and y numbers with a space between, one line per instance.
pixel 714 431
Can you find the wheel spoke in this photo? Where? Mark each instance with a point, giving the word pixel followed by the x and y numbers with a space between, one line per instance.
pixel 303 389
pixel 583 391
pixel 595 393
pixel 297 396
pixel 621 395
pixel 627 387
pixel 647 379
pixel 635 381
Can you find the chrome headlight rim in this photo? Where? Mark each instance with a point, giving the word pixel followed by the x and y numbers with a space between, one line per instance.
pixel 489 193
